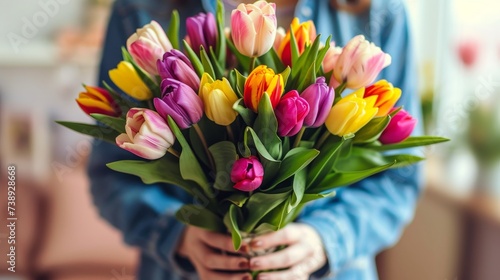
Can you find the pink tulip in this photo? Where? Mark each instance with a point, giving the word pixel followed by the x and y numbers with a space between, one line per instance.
pixel 253 28
pixel 468 52
pixel 148 136
pixel 331 57
pixel 291 112
pixel 400 127
pixel 247 174
pixel 148 45
pixel 359 64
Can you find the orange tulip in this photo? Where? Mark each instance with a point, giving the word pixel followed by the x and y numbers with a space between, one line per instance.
pixel 262 81
pixel 96 100
pixel 387 96
pixel 305 34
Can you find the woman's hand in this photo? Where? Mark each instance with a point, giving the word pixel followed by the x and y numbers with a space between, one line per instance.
pixel 303 255
pixel 204 250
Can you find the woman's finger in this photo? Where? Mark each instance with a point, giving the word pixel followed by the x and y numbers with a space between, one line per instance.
pixel 285 258
pixel 208 274
pixel 286 236
pixel 300 271
pixel 217 241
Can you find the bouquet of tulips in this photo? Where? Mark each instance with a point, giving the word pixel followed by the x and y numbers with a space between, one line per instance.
pixel 251 121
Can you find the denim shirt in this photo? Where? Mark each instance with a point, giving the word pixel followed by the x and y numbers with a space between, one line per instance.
pixel 356 224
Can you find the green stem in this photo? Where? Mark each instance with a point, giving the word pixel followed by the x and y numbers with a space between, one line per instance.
pixel 339 90
pixel 252 64
pixel 299 137
pixel 205 146
pixel 230 133
pixel 322 140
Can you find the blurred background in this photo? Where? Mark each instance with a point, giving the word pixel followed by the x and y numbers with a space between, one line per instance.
pixel 49 47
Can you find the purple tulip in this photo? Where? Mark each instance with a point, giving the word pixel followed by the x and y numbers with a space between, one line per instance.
pixel 247 174
pixel 290 112
pixel 175 65
pixel 320 98
pixel 400 127
pixel 202 31
pixel 179 101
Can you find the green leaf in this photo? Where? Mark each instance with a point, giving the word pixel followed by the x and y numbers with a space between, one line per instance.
pixel 205 60
pixel 218 68
pixel 264 228
pixel 246 114
pixel 117 124
pixel 164 170
pixel 240 83
pixel 296 160
pixel 97 131
pixel 299 187
pixel 266 127
pixel 155 89
pixel 198 216
pixel 231 221
pixel 195 61
pixel 258 145
pixel 280 67
pixel 258 205
pixel 267 59
pixel 322 53
pixel 189 166
pixel 411 142
pixel 308 197
pixel 362 159
pixel 294 48
pixel 339 179
pixel 221 42
pixel 224 154
pixel 371 131
pixel 237 198
pixel 173 30
pixel 325 160
pixel 286 74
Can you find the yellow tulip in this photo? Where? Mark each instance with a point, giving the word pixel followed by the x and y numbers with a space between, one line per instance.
pixel 351 113
pixel 126 78
pixel 387 96
pixel 218 98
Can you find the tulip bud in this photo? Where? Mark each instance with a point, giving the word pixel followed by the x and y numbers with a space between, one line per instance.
pixel 305 34
pixel 201 31
pixel 400 127
pixel 359 64
pixel 97 100
pixel 148 135
pixel 350 114
pixel 387 96
pixel 175 65
pixel 261 81
pixel 148 45
pixel 253 28
pixel 219 98
pixel 331 57
pixel 320 98
pixel 180 102
pixel 126 78
pixel 290 113
pixel 247 174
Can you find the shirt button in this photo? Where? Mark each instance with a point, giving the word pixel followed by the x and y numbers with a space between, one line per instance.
pixel 307 12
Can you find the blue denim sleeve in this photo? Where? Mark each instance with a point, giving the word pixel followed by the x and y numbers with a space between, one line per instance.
pixel 143 213
pixel 370 215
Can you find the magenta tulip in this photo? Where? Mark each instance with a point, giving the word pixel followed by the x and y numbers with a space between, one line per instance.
pixel 148 135
pixel 179 101
pixel 247 174
pixel 290 112
pixel 201 31
pixel 175 65
pixel 400 127
pixel 320 98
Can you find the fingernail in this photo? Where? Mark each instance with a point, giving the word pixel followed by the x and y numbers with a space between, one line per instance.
pixel 243 265
pixel 247 277
pixel 244 248
pixel 256 243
